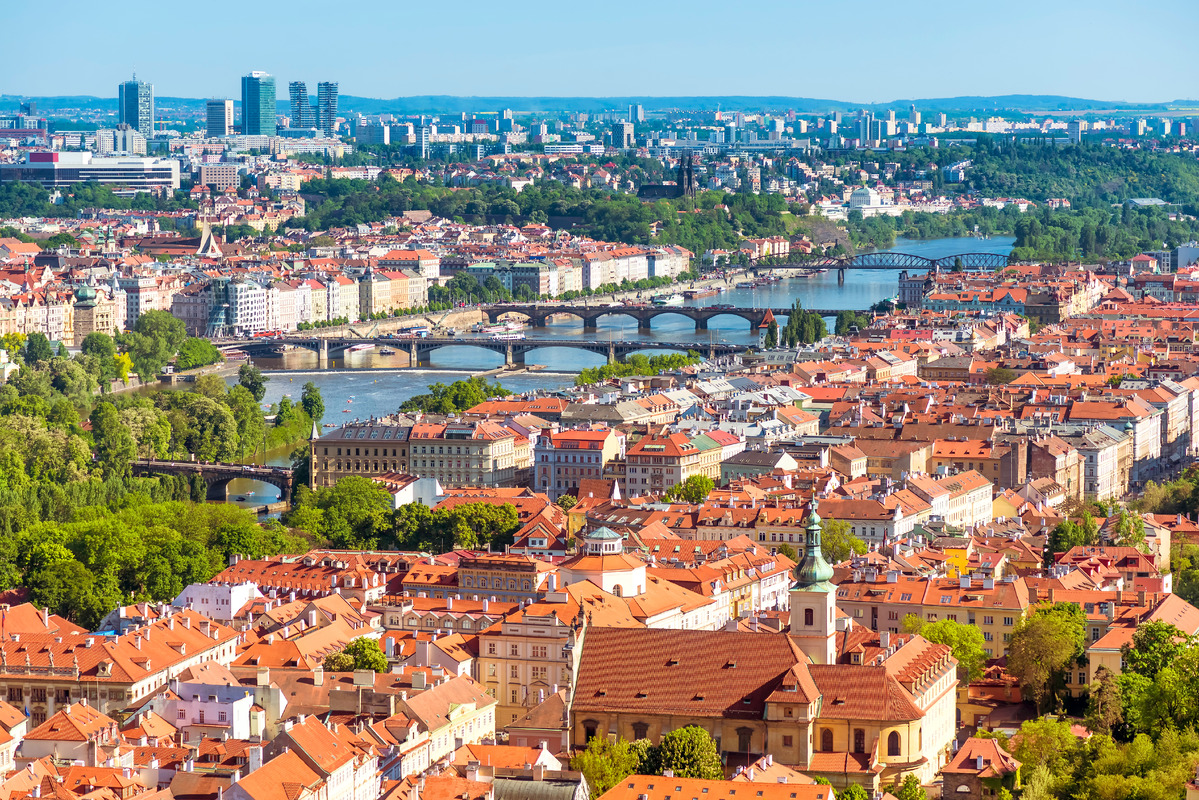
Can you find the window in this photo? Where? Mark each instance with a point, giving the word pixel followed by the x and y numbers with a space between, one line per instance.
pixel 491 670
pixel 222 717
pixel 513 650
pixel 1007 621
pixel 1082 679
pixel 491 648
pixel 514 672
pixel 787 740
pixel 808 616
pixel 988 620
pixel 893 743
pixel 540 651
pixel 1094 634
pixel 182 714
pixel 826 740
pixel 640 730
pixel 859 740
pixel 788 711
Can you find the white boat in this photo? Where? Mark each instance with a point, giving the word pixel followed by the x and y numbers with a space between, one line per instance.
pixel 675 299
pixel 358 348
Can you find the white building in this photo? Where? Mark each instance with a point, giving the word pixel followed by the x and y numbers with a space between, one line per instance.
pixel 217 601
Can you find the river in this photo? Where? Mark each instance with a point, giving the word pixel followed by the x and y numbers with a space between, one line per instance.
pixel 366 384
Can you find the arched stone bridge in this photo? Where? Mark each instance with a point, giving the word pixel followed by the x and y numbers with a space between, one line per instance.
pixel 218 475
pixel 888 260
pixel 539 313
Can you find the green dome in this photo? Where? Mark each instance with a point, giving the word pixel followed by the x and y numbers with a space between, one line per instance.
pixel 604 533
pixel 813 573
pixel 85 293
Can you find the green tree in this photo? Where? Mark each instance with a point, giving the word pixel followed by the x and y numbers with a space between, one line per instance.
pixel 1044 645
pixel 788 551
pixel 605 763
pixel 194 352
pixel 312 402
pixel 1068 534
pixel 1105 708
pixel 965 640
pixel 693 490
pixel 566 502
pixel 366 654
pixel 353 514
pixel 909 789
pixel 162 326
pixel 771 339
pixel 837 542
pixel 37 348
pixel 690 752
pixel 252 378
pixel 997 376
pixel 115 448
pixel 341 661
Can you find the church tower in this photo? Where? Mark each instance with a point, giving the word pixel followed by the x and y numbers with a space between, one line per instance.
pixel 814 599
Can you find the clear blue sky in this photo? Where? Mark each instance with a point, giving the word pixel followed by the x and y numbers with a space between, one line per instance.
pixel 856 51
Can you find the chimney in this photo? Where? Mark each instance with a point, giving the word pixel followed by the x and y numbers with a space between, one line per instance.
pixel 1033 598
pixel 318 675
pixel 419 680
pixel 884 639
pixel 312 618
pixel 538 772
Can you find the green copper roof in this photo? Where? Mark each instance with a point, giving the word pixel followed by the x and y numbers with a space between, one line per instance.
pixel 813 573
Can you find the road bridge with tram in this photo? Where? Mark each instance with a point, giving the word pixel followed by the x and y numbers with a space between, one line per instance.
pixel 539 313
pixel 513 350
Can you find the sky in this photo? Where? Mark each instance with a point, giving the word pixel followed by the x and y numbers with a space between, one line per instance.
pixel 861 51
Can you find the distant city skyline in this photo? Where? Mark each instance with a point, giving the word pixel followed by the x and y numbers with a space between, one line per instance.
pixel 879 53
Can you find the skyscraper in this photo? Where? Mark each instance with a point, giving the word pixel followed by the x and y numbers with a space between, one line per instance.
pixel 136 105
pixel 301 109
pixel 326 99
pixel 220 118
pixel 258 104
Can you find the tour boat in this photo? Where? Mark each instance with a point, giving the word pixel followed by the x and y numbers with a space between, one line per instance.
pixel 386 351
pixel 675 299
pixel 696 294
pixel 484 327
pixel 358 348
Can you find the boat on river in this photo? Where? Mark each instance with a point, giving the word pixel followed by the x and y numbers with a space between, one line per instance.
pixel 675 299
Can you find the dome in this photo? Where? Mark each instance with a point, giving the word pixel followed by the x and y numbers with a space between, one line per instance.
pixel 85 293
pixel 604 533
pixel 813 573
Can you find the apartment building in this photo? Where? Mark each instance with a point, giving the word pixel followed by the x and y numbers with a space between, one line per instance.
pixel 659 461
pixel 880 601
pixel 424 263
pixel 563 458
pixel 475 453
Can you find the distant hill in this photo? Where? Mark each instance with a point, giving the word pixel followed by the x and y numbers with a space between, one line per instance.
pixel 450 104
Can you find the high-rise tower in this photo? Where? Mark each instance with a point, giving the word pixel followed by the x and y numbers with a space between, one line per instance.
pixel 301 110
pixel 136 105
pixel 326 106
pixel 258 104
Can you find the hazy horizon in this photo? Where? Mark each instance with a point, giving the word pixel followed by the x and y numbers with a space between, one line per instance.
pixel 939 49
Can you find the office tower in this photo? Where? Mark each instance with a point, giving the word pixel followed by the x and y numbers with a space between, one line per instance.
pixel 326 99
pixel 890 115
pixel 1140 127
pixel 622 135
pixel 423 134
pixel 301 109
pixel 913 115
pixel 942 120
pixel 136 103
pixel 258 104
pixel 220 118
pixel 636 113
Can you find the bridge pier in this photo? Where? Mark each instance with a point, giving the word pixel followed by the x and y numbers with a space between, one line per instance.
pixel 413 355
pixel 218 491
pixel 840 275
pixel 537 322
pixel 643 326
pixel 612 353
pixel 322 355
pixel 514 356
pixel 589 324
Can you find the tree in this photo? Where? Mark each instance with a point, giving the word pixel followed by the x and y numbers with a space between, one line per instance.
pixel 690 752
pixel 195 352
pixel 909 789
pixel 966 641
pixel 252 378
pixel 366 654
pixel 115 448
pixel 605 763
pixel 37 348
pixel 693 490
pixel 997 376
pixel 1045 644
pixel 312 402
pixel 352 514
pixel 837 543
pixel 772 335
pixel 162 326
pixel 1105 708
pixel 1068 534
pixel 1155 645
pixel 341 661
pixel 566 502
pixel 853 792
